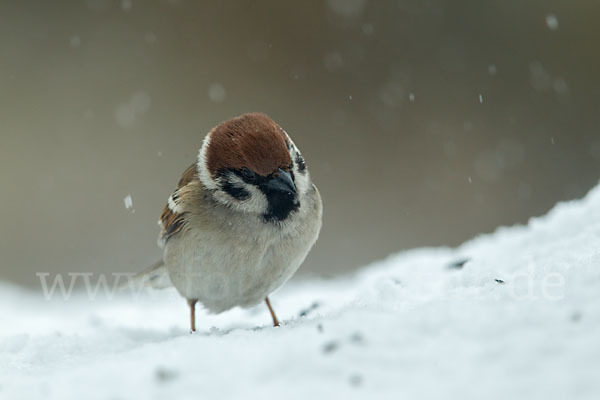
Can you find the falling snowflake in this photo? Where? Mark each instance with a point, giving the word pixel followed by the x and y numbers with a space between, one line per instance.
pixel 552 22
pixel 216 92
pixel 128 202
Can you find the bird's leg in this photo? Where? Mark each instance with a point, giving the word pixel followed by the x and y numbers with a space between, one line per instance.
pixel 192 304
pixel 275 321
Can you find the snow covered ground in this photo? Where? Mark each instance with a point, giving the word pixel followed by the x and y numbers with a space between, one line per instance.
pixel 520 319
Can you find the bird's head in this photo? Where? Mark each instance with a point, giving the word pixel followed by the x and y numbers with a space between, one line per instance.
pixel 249 163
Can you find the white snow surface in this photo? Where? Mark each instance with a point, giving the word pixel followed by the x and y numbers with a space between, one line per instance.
pixel 408 327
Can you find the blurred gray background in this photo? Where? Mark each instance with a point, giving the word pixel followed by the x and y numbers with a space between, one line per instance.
pixel 423 122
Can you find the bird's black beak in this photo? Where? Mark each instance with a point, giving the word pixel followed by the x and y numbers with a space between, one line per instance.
pixel 281 195
pixel 280 183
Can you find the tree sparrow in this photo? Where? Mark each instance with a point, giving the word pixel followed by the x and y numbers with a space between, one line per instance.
pixel 242 219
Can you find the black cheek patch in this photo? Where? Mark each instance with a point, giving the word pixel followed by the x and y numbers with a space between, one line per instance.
pixel 300 163
pixel 234 191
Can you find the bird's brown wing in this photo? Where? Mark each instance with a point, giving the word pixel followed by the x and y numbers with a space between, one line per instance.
pixel 172 220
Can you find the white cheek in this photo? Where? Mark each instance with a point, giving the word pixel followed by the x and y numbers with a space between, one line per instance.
pixel 257 202
pixel 302 179
pixel 203 173
pixel 304 184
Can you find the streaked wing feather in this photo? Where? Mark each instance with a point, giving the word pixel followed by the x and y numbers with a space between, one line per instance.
pixel 171 221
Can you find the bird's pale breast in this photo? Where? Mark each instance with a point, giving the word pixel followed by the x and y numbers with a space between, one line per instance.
pixel 226 262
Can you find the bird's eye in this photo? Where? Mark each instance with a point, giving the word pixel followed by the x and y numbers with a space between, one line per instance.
pixel 248 174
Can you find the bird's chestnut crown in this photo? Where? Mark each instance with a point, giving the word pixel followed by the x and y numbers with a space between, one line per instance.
pixel 252 141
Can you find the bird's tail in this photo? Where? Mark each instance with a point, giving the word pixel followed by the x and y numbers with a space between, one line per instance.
pixel 156 277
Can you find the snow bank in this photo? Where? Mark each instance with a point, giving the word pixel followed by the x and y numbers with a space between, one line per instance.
pixel 519 319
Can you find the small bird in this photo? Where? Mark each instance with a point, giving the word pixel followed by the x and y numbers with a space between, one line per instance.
pixel 241 221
